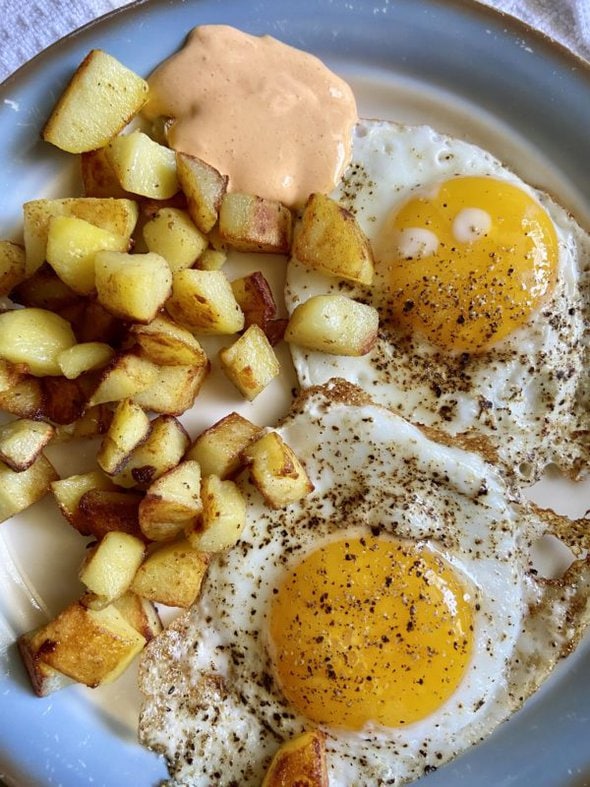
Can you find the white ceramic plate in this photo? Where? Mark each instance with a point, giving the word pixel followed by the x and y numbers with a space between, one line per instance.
pixel 455 65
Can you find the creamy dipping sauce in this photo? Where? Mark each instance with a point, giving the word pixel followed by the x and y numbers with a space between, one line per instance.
pixel 274 119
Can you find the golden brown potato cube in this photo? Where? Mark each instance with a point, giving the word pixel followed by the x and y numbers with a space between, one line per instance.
pixel 166 343
pixel 93 422
pixel 71 247
pixel 22 441
pixel 100 99
pixel 84 357
pixel 132 286
pixel 223 516
pixel 204 187
pixel 64 401
pixel 249 223
pixel 174 390
pixel 23 399
pixel 172 502
pixel 250 363
pixel 34 337
pixel 256 300
pixel 329 239
pixel 276 472
pixel 212 260
pixel 118 216
pixel 204 303
pixel 334 324
pixel 172 234
pixel 69 491
pixel 12 266
pixel 98 176
pixel 96 324
pixel 89 646
pixel 143 166
pixel 44 679
pixel 163 449
pixel 45 290
pixel 125 376
pixel 108 568
pixel 139 613
pixel 19 490
pixel 218 449
pixel 11 374
pixel 130 427
pixel 101 511
pixel 171 575
pixel 301 760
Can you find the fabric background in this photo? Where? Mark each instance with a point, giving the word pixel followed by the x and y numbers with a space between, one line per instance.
pixel 27 27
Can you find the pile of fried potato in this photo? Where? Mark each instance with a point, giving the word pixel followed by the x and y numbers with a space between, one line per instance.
pixel 105 302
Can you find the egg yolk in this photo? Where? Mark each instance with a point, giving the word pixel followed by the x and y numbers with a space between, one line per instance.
pixel 469 265
pixel 370 630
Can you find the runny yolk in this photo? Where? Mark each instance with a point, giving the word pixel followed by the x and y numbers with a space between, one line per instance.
pixel 370 630
pixel 469 265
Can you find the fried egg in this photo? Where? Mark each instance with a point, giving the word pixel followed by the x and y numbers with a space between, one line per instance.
pixel 483 288
pixel 395 608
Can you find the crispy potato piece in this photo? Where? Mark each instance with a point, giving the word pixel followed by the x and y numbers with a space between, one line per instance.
pixel 11 374
pixel 249 223
pixel 108 568
pixel 101 511
pixel 35 337
pixel 250 363
pixel 19 490
pixel 12 265
pixel 143 166
pixel 172 502
pixel 163 449
pixel 129 428
pixel 275 330
pixel 171 575
pixel 125 376
pixel 204 187
pixel 256 300
pixel 71 247
pixel 93 422
pixel 132 286
pixel 22 441
pixel 23 399
pixel 218 449
pixel 172 234
pixel 204 303
pixel 84 357
pixel 174 389
pixel 45 290
pixel 69 491
pixel 64 401
pixel 96 324
pixel 118 216
pixel 223 516
pixel 90 646
pixel 100 99
pixel 276 472
pixel 139 613
pixel 329 239
pixel 44 679
pixel 212 260
pixel 98 176
pixel 334 324
pixel 166 343
pixel 301 760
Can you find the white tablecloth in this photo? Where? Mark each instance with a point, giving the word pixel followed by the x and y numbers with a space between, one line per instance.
pixel 28 27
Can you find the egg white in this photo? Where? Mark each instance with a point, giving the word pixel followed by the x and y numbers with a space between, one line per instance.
pixel 212 704
pixel 528 397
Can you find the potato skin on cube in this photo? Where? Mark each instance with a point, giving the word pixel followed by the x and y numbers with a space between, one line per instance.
pixel 250 362
pixel 276 471
pixel 255 224
pixel 204 187
pixel 219 449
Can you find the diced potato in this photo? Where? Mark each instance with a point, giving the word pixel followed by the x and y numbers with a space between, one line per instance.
pixel 96 324
pixel 223 517
pixel 301 760
pixel 143 166
pixel 250 363
pixel 212 260
pixel 334 324
pixel 94 422
pixel 218 449
pixel 44 679
pixel 329 239
pixel 100 99
pixel 22 441
pixel 64 401
pixel 139 613
pixel 125 376
pixel 203 302
pixel 45 290
pixel 130 427
pixel 12 265
pixel 71 246
pixel 118 216
pixel 90 646
pixel 172 502
pixel 275 330
pixel 108 568
pixel 172 235
pixel 68 491
pixel 174 389
pixel 276 472
pixel 132 286
pixel 250 223
pixel 256 300
pixel 11 374
pixel 35 337
pixel 101 511
pixel 163 449
pixel 19 490
pixel 84 357
pixel 98 176
pixel 204 187
pixel 171 575
pixel 23 399
pixel 168 344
